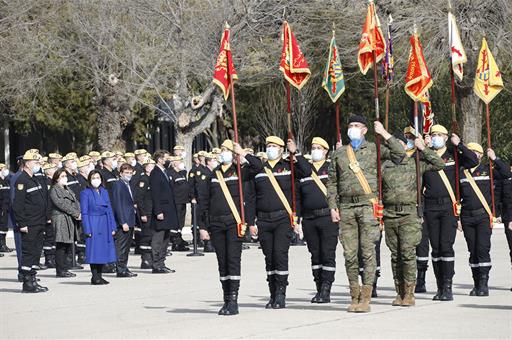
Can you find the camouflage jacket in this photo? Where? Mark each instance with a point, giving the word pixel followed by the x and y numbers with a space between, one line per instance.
pixel 343 183
pixel 399 179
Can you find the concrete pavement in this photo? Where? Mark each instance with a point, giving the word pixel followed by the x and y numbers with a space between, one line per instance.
pixel 184 304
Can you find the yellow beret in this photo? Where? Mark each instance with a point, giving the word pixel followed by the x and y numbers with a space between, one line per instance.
pixel 55 155
pixel 175 158
pixel 178 147
pixel 121 161
pixel 410 129
pixel 44 159
pixel 94 154
pixel 118 153
pixel 215 151
pixel 84 158
pixel 475 147
pixel 33 150
pixel 31 155
pixel 2 165
pixel 195 155
pixel 83 162
pixel 69 157
pixel 228 144
pixel 140 152
pixel 107 154
pixel 48 166
pixel 274 140
pixel 321 142
pixel 249 150
pixel 129 154
pixel 202 153
pixel 210 155
pixel 148 161
pixel 439 129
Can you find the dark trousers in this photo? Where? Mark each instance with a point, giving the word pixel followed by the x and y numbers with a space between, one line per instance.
pixel 80 242
pixel 275 236
pixel 477 233
pixel 321 236
pixel 123 241
pixel 31 247
pixel 360 258
pixel 181 210
pixel 422 249
pixel 17 245
pixel 159 244
pixel 442 229
pixel 146 235
pixel 49 240
pixel 96 270
pixel 228 248
pixel 63 250
pixel 508 233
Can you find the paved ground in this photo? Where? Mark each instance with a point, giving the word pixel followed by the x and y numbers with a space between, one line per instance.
pixel 184 304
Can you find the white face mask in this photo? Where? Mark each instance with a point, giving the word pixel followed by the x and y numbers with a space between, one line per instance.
pixel 181 166
pixel 438 142
pixel 96 182
pixel 73 166
pixel 317 155
pixel 133 162
pixel 5 173
pixel 114 164
pixel 59 165
pixel 127 178
pixel 91 167
pixel 35 168
pixel 214 164
pixel 354 133
pixel 63 181
pixel 272 153
pixel 226 157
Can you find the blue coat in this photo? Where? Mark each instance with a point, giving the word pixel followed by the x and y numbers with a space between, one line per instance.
pixel 122 204
pixel 98 221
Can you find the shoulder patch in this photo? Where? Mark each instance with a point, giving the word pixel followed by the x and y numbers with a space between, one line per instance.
pixel 21 186
pixel 198 173
pixel 203 177
pixel 191 175
pixel 141 184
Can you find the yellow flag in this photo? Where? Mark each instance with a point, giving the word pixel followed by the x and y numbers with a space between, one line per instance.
pixel 488 81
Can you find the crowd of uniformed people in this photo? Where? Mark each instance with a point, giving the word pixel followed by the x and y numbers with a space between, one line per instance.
pixel 92 209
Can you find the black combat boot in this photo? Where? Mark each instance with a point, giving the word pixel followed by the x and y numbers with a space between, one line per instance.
pixel 225 291
pixel 272 290
pixel 325 293
pixel 232 306
pixel 439 280
pixel 483 286
pixel 30 284
pixel 447 294
pixel 420 282
pixel 318 289
pixel 49 260
pixel 374 288
pixel 208 247
pixel 3 244
pixel 80 258
pixel 35 281
pixel 476 281
pixel 146 260
pixel 280 299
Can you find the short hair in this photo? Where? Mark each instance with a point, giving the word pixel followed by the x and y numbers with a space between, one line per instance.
pixel 160 154
pixel 93 172
pixel 56 175
pixel 125 167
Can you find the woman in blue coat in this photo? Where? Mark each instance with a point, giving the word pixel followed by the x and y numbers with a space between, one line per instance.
pixel 99 226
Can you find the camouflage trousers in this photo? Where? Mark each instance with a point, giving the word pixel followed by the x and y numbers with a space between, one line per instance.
pixel 403 234
pixel 359 231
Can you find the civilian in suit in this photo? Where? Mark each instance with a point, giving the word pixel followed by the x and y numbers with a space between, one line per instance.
pixel 124 212
pixel 164 212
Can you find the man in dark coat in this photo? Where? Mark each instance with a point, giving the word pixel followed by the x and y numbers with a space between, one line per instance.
pixel 164 212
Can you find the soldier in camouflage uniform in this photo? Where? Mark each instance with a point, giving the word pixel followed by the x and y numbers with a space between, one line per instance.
pixel 403 225
pixel 348 200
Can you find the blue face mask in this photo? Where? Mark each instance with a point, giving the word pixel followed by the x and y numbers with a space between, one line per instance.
pixel 438 142
pixel 272 153
pixel 410 144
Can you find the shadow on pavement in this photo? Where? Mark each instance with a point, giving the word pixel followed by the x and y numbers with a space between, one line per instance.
pixel 502 307
pixel 76 283
pixel 192 311
pixel 7 290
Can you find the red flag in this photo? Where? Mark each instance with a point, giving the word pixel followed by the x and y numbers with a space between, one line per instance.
pixel 224 69
pixel 372 39
pixel 418 79
pixel 293 64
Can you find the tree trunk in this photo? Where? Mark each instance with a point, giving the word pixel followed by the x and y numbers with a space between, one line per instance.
pixel 471 108
pixel 109 130
pixel 185 139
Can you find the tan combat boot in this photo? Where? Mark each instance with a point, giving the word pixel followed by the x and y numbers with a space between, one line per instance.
pixel 364 301
pixel 355 291
pixel 408 300
pixel 399 294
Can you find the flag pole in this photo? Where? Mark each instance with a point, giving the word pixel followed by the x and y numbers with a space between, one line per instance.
pixel 489 145
pixel 338 128
pixel 417 161
pixel 292 155
pixel 455 125
pixel 388 75
pixel 240 228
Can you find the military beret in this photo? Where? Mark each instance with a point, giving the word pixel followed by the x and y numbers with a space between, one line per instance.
pixel 400 136
pixel 274 140
pixel 175 158
pixel 94 154
pixel 475 147
pixel 83 162
pixel 148 161
pixel 85 158
pixel 215 151
pixel 2 165
pixel 31 155
pixel 357 119
pixel 202 153
pixel 228 144
pixel 129 154
pixel 410 129
pixel 44 159
pixel 33 150
pixel 119 153
pixel 107 154
pixel 140 152
pixel 195 155
pixel 69 157
pixel 49 166
pixel 55 155
pixel 178 147
pixel 439 129
pixel 321 142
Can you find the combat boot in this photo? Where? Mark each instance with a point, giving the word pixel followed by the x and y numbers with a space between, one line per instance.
pixel 408 300
pixel 447 294
pixel 420 282
pixel 280 299
pixel 399 294
pixel 272 290
pixel 80 257
pixel 232 306
pixel 49 261
pixel 476 281
pixel 355 292
pixel 439 280
pixel 483 289
pixel 146 260
pixel 374 287
pixel 325 293
pixel 225 291
pixel 317 295
pixel 364 301
pixel 35 282
pixel 30 284
pixel 3 244
pixel 208 247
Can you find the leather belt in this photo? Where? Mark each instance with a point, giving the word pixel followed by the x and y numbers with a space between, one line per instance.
pixel 317 213
pixel 438 201
pixel 476 212
pixel 273 214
